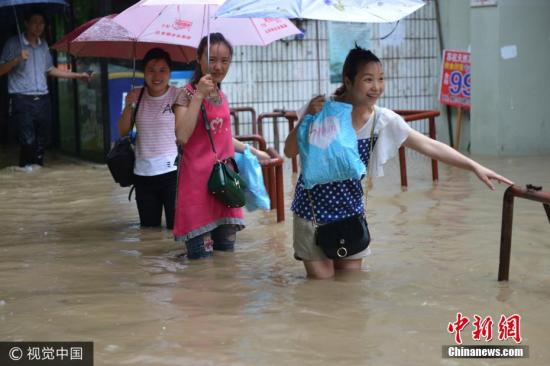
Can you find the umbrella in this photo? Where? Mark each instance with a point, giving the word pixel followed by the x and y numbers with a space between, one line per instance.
pixel 102 37
pixel 188 21
pixel 367 11
pixel 14 3
pixel 188 24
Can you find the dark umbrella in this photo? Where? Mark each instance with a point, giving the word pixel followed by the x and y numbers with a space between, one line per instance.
pixel 10 7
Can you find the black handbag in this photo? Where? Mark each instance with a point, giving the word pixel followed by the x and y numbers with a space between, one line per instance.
pixel 121 157
pixel 342 238
pixel 225 182
pixel 346 237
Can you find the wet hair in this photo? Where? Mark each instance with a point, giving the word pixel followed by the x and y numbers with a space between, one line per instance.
pixel 157 53
pixel 356 58
pixel 34 11
pixel 215 38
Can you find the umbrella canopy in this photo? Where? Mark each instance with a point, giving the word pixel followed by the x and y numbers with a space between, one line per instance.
pixel 368 11
pixel 105 38
pixel 188 24
pixel 181 2
pixel 9 14
pixel 64 45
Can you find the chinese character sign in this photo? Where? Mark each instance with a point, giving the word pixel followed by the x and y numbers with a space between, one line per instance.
pixel 508 327
pixel 455 79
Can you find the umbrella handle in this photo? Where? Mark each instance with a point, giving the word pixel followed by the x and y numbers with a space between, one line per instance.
pixel 18 27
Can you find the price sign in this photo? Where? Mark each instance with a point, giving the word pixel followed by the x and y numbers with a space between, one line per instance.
pixel 455 79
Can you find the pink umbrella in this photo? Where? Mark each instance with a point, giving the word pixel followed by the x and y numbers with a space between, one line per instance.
pixel 188 24
pixel 64 44
pixel 106 38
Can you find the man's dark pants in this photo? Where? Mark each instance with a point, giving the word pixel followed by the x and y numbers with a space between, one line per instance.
pixel 32 116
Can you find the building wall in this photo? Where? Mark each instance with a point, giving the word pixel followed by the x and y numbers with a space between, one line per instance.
pixel 510 96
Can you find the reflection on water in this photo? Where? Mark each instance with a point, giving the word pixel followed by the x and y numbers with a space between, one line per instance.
pixel 76 266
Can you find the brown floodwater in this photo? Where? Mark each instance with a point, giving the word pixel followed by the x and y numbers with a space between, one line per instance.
pixel 75 266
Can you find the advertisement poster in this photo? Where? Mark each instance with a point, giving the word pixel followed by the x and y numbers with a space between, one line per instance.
pixel 455 82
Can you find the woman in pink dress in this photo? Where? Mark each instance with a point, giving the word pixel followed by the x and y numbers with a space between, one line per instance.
pixel 201 221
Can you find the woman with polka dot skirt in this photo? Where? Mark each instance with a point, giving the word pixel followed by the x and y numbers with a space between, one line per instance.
pixel 362 85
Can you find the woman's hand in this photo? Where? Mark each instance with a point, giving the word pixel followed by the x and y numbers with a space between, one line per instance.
pixel 487 175
pixel 132 98
pixel 206 86
pixel 315 105
pixel 261 155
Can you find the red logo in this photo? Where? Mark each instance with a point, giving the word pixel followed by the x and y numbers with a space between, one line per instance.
pixel 180 24
pixel 508 327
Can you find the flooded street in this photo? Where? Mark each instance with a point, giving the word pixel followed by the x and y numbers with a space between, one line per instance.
pixel 75 266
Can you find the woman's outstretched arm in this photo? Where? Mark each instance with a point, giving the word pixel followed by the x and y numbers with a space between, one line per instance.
pixel 439 151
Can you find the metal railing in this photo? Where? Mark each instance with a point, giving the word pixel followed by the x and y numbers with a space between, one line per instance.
pixel 412 116
pixel 235 112
pixel 529 192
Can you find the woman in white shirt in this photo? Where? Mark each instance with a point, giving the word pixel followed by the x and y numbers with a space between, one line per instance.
pixel 156 151
pixel 362 85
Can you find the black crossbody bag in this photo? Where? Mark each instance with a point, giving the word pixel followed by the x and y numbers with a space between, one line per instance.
pixel 346 237
pixel 121 157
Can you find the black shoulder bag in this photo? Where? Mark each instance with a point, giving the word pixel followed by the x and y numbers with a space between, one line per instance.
pixel 121 157
pixel 343 238
pixel 224 183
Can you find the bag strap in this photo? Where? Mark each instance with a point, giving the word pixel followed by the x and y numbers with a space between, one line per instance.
pixel 134 112
pixel 207 126
pixel 371 147
pixel 190 93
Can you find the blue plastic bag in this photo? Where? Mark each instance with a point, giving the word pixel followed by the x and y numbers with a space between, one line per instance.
pixel 328 146
pixel 251 171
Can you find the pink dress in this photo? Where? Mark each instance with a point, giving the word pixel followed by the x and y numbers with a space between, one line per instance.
pixel 197 211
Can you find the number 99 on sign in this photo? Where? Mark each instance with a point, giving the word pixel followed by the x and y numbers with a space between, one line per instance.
pixel 459 83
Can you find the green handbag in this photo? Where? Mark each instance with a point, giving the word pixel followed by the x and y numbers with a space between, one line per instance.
pixel 225 182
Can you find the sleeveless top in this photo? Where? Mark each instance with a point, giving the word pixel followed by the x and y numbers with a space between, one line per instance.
pixel 197 210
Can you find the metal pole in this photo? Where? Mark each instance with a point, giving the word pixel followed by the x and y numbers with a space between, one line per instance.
pixel 208 37
pixel 442 47
pixel 317 43
pixel 134 63
pixel 18 27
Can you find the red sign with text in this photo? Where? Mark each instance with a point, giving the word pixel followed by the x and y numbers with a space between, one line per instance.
pixel 455 79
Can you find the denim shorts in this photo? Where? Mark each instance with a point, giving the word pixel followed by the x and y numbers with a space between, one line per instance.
pixel 304 242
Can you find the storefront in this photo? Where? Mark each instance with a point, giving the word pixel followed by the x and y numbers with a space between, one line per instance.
pixel 85 114
pixel 88 112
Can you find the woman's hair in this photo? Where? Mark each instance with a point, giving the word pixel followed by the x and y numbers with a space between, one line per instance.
pixel 157 54
pixel 215 38
pixel 356 58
